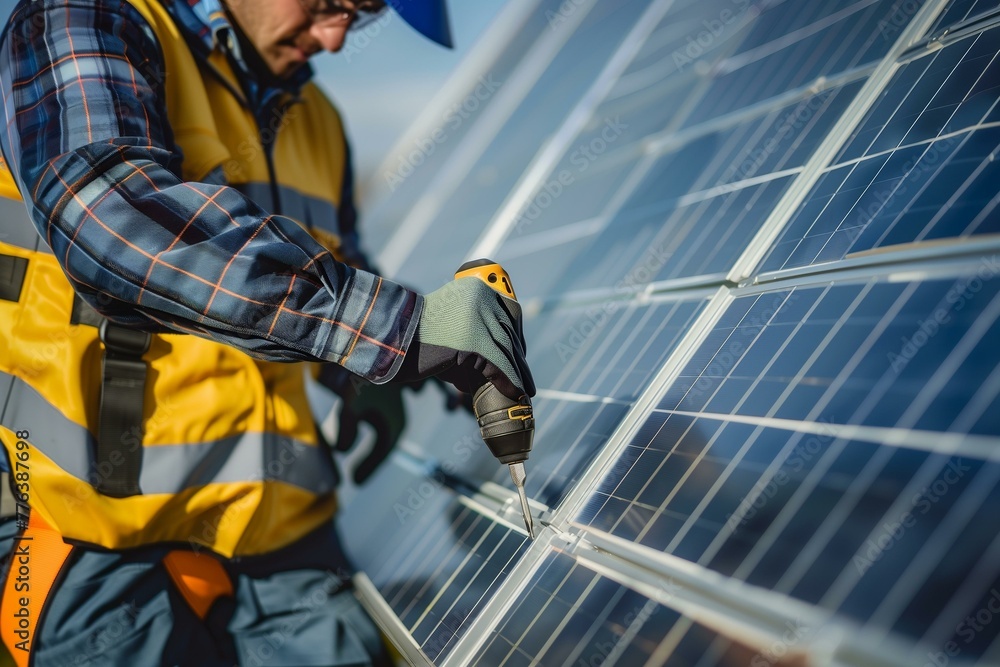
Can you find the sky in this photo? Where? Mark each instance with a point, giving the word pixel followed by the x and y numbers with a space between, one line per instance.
pixel 386 74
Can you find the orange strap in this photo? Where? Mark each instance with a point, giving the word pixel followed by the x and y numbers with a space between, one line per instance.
pixel 200 578
pixel 38 555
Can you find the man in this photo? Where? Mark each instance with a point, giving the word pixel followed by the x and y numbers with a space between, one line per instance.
pixel 191 190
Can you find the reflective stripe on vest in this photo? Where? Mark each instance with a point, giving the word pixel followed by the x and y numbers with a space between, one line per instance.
pixel 219 427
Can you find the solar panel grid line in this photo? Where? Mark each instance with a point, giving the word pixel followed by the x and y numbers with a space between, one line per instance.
pixel 608 359
pixel 957 195
pixel 685 476
pixel 575 397
pixel 850 577
pixel 452 553
pixel 982 447
pixel 923 260
pixel 502 105
pixel 569 454
pixel 475 636
pixel 432 556
pixel 977 405
pixel 901 185
pixel 800 496
pixel 688 287
pixel 552 238
pixel 670 140
pixel 958 31
pixel 799 189
pixel 717 485
pixel 936 548
pixel 548 155
pixel 743 59
pixel 965 597
pixel 472 554
pixel 538 615
pixel 566 619
pixel 682 353
pixel 734 186
pixel 756 630
pixel 670 642
pixel 955 134
pixel 395 562
pixel 572 376
pixel 504 598
pixel 492 510
pixel 649 343
pixel 746 615
pixel 959 353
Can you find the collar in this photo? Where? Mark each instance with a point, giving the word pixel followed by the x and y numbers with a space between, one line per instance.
pixel 208 28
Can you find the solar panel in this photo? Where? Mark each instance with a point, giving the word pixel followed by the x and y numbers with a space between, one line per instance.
pixel 755 243
pixel 921 166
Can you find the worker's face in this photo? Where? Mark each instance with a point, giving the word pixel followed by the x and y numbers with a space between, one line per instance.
pixel 284 32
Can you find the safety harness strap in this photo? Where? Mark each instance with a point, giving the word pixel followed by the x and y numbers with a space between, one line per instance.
pixel 38 556
pixel 122 390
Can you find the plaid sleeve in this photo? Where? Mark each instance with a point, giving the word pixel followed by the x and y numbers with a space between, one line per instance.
pixel 91 149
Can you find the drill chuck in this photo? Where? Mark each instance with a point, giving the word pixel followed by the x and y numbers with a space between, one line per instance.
pixel 507 426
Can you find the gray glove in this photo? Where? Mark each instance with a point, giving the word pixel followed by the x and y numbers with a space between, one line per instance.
pixel 470 334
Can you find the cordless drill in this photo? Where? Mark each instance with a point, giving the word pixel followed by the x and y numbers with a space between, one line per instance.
pixel 507 426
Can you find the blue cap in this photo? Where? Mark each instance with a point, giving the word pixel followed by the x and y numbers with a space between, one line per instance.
pixel 428 17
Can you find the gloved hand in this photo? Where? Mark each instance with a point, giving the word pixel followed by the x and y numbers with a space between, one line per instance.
pixel 381 406
pixel 469 333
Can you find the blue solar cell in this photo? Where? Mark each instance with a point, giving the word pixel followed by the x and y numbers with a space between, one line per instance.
pixel 571 615
pixel 814 414
pixel 918 167
pixel 959 11
pixel 822 39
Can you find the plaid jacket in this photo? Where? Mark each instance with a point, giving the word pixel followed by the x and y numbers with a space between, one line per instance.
pixel 89 144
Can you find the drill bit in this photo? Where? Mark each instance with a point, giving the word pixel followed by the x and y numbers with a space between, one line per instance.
pixel 518 475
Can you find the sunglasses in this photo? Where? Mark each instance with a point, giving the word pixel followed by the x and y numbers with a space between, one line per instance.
pixel 330 13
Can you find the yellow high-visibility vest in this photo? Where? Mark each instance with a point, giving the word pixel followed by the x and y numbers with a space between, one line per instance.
pixel 230 460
